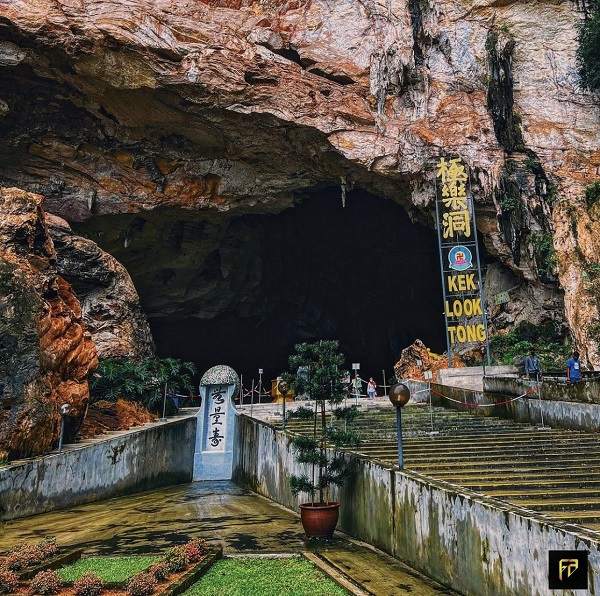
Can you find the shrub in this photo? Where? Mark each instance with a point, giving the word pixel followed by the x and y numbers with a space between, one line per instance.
pixel 140 380
pixel 88 585
pixel 588 53
pixel 195 550
pixel 160 571
pixel 9 581
pixel 45 582
pixel 176 559
pixel 48 547
pixel 22 556
pixel 592 193
pixel 544 255
pixel 348 413
pixel 141 584
pixel 302 413
pixel 545 339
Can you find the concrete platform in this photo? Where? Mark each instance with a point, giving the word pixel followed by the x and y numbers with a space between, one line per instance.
pixel 220 512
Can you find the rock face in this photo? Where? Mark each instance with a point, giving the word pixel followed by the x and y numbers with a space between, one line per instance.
pixel 109 301
pixel 232 106
pixel 45 353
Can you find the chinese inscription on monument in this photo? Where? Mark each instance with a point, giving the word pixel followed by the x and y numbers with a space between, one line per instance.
pixel 217 420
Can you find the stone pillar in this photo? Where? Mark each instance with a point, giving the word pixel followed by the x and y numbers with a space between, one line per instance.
pixel 213 456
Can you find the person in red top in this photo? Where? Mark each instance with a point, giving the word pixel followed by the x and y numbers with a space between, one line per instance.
pixel 371 388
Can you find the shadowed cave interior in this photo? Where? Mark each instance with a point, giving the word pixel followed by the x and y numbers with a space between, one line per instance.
pixel 244 290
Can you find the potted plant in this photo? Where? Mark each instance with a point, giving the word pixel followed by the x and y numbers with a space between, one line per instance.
pixel 321 379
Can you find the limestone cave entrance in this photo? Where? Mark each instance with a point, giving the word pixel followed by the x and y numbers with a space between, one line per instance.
pixel 244 290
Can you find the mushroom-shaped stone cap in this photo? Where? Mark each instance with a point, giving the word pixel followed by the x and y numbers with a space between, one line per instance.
pixel 220 375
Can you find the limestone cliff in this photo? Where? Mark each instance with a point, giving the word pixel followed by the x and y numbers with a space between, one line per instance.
pixel 45 352
pixel 233 106
pixel 109 301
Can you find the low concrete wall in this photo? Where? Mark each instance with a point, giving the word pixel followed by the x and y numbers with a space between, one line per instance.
pixel 471 377
pixel 141 459
pixel 584 393
pixel 474 544
pixel 563 406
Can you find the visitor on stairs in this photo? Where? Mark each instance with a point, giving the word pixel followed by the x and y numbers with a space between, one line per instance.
pixel 574 369
pixel 532 366
pixel 371 388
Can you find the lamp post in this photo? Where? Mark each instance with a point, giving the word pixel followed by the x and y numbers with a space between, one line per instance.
pixel 64 411
pixel 399 397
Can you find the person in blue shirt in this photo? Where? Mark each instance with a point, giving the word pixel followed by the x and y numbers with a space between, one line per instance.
pixel 532 366
pixel 574 369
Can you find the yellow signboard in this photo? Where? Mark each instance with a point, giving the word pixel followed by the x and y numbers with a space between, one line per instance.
pixel 459 256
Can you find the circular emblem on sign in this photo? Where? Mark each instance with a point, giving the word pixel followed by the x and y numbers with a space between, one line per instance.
pixel 460 258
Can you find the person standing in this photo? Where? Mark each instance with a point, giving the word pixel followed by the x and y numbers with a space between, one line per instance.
pixel 371 388
pixel 574 368
pixel 357 386
pixel 532 366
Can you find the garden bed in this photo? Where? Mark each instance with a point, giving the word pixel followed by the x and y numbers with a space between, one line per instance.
pixel 141 575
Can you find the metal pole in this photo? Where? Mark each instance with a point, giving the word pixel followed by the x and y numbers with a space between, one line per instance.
pixel 399 436
pixel 481 291
pixel 241 389
pixel 252 399
pixel 430 406
pixel 439 234
pixel 283 408
pixel 164 403
pixel 384 384
pixel 260 374
pixel 539 392
pixel 62 432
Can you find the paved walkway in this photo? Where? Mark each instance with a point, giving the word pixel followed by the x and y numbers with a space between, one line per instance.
pixel 220 512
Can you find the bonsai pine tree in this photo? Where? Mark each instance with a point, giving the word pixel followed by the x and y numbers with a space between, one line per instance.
pixel 321 365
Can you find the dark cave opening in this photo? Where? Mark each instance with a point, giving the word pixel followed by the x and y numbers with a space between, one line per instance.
pixel 364 274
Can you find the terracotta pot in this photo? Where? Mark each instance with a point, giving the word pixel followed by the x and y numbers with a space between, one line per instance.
pixel 319 519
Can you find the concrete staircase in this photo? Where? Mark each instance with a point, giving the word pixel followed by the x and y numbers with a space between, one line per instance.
pixel 551 471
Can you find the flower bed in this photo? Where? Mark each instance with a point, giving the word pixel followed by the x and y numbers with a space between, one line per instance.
pixel 27 559
pixel 171 574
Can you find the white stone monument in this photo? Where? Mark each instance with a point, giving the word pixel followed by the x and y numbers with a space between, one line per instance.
pixel 213 456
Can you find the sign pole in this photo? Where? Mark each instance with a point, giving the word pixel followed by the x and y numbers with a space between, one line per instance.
pixel 444 300
pixel 481 289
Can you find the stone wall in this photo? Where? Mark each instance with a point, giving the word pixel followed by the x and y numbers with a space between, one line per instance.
pixel 476 544
pixel 141 459
pixel 585 393
pixel 564 406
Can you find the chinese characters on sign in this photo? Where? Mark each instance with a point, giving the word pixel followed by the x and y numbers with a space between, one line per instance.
pixel 459 256
pixel 217 420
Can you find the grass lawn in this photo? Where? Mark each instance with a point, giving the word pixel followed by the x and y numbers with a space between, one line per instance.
pixel 110 569
pixel 265 577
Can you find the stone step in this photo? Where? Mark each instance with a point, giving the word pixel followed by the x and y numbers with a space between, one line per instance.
pixel 495 456
pixel 504 466
pixel 577 516
pixel 481 478
pixel 516 496
pixel 565 503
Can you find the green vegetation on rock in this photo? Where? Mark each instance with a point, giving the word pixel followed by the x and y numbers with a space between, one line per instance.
pixel 109 569
pixel 518 343
pixel 544 254
pixel 141 380
pixel 267 577
pixel 588 53
pixel 592 193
